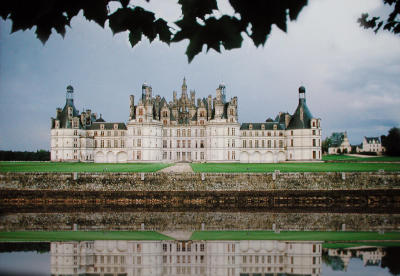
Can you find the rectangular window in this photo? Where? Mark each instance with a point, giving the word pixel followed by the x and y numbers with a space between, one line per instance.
pixel 139 142
pixel 188 144
pixel 244 143
pixel 165 143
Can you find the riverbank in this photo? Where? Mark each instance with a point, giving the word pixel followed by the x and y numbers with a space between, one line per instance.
pixel 333 164
pixel 340 237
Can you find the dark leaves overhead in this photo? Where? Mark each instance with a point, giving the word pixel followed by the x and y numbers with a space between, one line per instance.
pixel 198 23
pixel 390 24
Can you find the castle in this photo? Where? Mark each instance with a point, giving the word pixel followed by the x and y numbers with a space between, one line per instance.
pixel 184 129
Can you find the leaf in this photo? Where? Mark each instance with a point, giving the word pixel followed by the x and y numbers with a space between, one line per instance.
pixel 197 8
pixel 162 29
pixel 95 10
pixel 134 37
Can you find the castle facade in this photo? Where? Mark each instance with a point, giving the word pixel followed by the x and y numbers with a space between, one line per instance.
pixel 184 129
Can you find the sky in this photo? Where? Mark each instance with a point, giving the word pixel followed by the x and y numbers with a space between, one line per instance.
pixel 351 75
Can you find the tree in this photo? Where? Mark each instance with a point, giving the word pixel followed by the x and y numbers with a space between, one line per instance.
pixel 376 23
pixel 198 23
pixel 326 144
pixel 392 142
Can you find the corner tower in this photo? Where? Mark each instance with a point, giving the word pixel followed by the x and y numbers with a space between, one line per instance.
pixel 303 134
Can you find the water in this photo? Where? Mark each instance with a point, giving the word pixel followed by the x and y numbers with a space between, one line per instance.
pixel 195 258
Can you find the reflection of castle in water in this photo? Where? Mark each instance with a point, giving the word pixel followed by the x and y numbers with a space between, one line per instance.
pixel 186 258
pixel 370 255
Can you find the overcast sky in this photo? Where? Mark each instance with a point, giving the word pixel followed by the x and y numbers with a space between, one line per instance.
pixel 351 75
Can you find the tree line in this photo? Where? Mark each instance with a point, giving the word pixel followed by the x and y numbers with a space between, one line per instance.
pixel 39 155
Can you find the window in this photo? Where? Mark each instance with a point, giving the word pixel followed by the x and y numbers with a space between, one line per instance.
pixel 139 155
pixel 178 133
pixel 233 155
pixel 269 144
pixel 122 144
pixel 139 142
pixel 250 143
pixel 165 144
pixel 140 111
pixel 244 143
pixel 263 143
pixel 256 144
pixel 281 143
pixel 291 142
pixel 314 142
pixel 188 144
pixel 202 132
pixel 183 143
pixel 140 120
pixel 202 144
pixel 164 155
pixel 102 144
pixel 189 132
pixel 233 143
pixel 313 132
pixel 108 144
pixel 178 143
pixel 75 132
pixel 115 143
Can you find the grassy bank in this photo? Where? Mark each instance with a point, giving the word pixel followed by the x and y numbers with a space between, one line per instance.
pixel 79 167
pixel 80 235
pixel 296 236
pixel 294 167
pixel 334 157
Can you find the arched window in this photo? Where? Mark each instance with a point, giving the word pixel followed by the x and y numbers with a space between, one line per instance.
pixel 140 111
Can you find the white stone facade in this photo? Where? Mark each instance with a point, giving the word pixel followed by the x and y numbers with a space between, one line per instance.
pixel 371 144
pixel 215 258
pixel 181 130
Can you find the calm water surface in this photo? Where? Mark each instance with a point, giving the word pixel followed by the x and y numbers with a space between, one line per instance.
pixel 195 258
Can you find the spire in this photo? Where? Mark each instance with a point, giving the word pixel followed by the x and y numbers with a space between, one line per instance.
pixel 184 87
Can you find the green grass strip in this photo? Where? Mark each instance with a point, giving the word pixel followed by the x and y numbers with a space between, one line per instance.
pixel 80 167
pixel 295 235
pixel 334 157
pixel 293 167
pixel 335 245
pixel 80 235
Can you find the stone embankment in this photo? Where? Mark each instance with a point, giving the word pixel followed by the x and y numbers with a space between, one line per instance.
pixel 189 221
pixel 199 181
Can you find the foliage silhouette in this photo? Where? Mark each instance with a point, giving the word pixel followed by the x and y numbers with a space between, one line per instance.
pixel 392 142
pixel 376 23
pixel 199 22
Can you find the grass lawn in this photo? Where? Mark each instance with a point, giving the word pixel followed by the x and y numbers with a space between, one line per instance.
pixel 296 236
pixel 79 167
pixel 334 157
pixel 293 167
pixel 335 245
pixel 80 235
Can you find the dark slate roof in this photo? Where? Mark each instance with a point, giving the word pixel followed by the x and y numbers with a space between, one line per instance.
pixel 370 140
pixel 257 126
pixel 296 121
pixel 100 120
pixel 337 139
pixel 63 116
pixel 107 126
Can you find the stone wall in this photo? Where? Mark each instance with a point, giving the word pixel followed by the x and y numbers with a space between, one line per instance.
pixel 198 181
pixel 193 220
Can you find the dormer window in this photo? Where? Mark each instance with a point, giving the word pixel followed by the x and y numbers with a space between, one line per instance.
pixel 262 126
pixel 250 126
pixel 231 112
pixel 140 111
pixel 275 127
pixel 115 126
pixel 57 124
pixel 101 126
